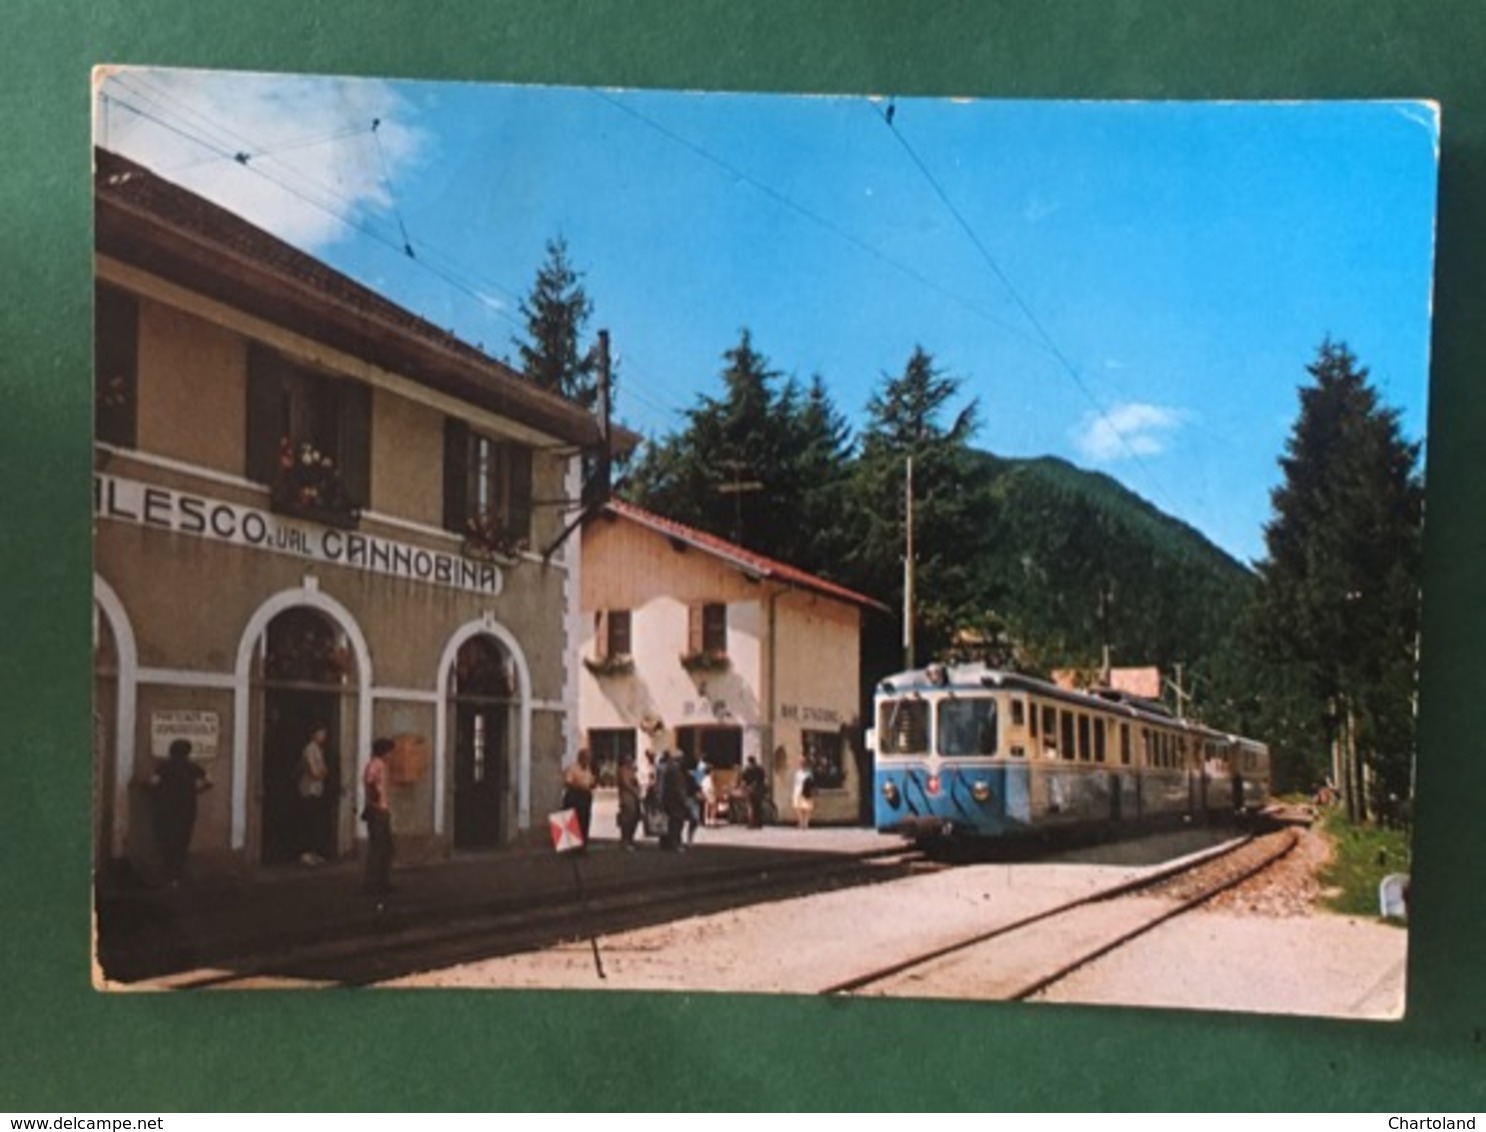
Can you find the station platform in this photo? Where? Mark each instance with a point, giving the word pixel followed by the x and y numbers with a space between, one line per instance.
pixel 146 935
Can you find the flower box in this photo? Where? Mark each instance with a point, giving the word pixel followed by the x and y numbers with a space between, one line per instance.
pixel 621 665
pixel 346 518
pixel 705 661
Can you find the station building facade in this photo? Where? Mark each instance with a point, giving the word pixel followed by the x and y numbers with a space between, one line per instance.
pixel 314 509
pixel 693 643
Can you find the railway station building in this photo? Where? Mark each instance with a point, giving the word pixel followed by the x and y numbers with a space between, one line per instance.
pixel 315 510
pixel 693 643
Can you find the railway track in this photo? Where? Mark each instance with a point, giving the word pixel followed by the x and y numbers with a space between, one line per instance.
pixel 1020 959
pixel 405 947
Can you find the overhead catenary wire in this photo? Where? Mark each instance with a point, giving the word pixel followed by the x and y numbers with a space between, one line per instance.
pixel 888 115
pixel 817 219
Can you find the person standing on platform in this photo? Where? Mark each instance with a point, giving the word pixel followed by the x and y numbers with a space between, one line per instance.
pixel 313 772
pixel 628 781
pixel 176 782
pixel 804 793
pixel 578 782
pixel 753 785
pixel 673 798
pixel 378 818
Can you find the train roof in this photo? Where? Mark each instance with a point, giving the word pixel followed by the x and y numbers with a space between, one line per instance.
pixel 948 677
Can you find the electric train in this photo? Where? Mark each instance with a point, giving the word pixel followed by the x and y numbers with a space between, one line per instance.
pixel 970 753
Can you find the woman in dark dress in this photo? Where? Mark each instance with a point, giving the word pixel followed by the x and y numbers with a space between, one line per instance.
pixel 176 782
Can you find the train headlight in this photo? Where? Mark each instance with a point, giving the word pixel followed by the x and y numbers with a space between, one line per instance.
pixel 981 791
pixel 890 793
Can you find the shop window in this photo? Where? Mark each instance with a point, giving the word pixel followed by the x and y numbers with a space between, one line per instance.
pixel 115 366
pixel 309 438
pixel 722 747
pixel 487 491
pixel 607 746
pixel 824 751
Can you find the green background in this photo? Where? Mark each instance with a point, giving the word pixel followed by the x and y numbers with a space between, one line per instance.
pixel 65 1048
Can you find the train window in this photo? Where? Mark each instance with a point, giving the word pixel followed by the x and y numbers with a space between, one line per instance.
pixel 1018 713
pixel 1098 740
pixel 1083 737
pixel 903 727
pixel 1066 719
pixel 1050 724
pixel 1124 744
pixel 1032 714
pixel 967 726
pixel 1147 756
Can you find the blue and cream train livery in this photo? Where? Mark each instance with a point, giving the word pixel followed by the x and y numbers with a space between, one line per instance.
pixel 969 752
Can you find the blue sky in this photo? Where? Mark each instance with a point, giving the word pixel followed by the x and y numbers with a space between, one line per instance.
pixel 1136 287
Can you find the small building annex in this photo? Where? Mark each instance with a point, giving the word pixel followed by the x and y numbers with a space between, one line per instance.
pixel 694 643
pixel 313 509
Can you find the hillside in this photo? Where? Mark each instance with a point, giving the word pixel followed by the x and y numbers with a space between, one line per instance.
pixel 1054 538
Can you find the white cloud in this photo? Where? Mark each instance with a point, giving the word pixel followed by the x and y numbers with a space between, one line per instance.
pixel 312 160
pixel 1126 430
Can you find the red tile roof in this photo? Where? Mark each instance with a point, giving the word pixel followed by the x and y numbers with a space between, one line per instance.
pixel 738 556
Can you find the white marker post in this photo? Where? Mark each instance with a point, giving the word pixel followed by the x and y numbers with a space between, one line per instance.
pixel 567 837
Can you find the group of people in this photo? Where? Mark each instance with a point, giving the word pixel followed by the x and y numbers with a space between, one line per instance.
pixel 671 796
pixel 178 780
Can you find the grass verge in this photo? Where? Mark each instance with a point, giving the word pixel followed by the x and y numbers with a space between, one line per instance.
pixel 1362 855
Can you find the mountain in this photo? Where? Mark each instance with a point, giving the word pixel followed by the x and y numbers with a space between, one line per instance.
pixel 1069 559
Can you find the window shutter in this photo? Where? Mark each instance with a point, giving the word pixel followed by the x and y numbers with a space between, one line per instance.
pixel 354 458
pixel 115 366
pixel 601 635
pixel 265 414
pixel 518 520
pixel 694 620
pixel 456 475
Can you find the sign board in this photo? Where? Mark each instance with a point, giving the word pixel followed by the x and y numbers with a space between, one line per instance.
pixel 149 505
pixel 567 834
pixel 201 728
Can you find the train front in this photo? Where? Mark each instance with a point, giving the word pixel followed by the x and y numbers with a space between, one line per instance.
pixel 936 771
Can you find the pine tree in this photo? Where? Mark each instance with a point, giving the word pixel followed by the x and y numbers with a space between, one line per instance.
pixel 904 419
pixel 556 313
pixel 761 464
pixel 1337 609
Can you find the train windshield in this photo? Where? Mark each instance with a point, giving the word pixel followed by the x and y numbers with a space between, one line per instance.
pixel 967 727
pixel 903 727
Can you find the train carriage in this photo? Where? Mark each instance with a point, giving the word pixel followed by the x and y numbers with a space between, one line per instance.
pixel 969 752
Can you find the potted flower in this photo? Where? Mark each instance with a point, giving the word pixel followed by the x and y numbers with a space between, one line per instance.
pixel 487 539
pixel 620 664
pixel 705 660
pixel 309 486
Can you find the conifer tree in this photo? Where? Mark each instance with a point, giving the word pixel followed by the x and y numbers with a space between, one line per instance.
pixel 905 418
pixel 1337 608
pixel 556 311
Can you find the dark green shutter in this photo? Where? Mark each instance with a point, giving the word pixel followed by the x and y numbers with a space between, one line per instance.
pixel 456 475
pixel 354 405
pixel 265 414
pixel 519 520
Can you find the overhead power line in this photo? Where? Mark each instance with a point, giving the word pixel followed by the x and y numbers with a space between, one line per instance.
pixel 888 116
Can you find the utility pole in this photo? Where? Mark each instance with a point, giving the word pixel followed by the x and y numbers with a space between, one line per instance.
pixel 908 648
pixel 606 454
pixel 1182 695
pixel 736 489
pixel 1106 595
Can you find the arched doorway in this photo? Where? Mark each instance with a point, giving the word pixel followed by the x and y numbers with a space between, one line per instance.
pixel 105 727
pixel 114 668
pixel 308 681
pixel 483 696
